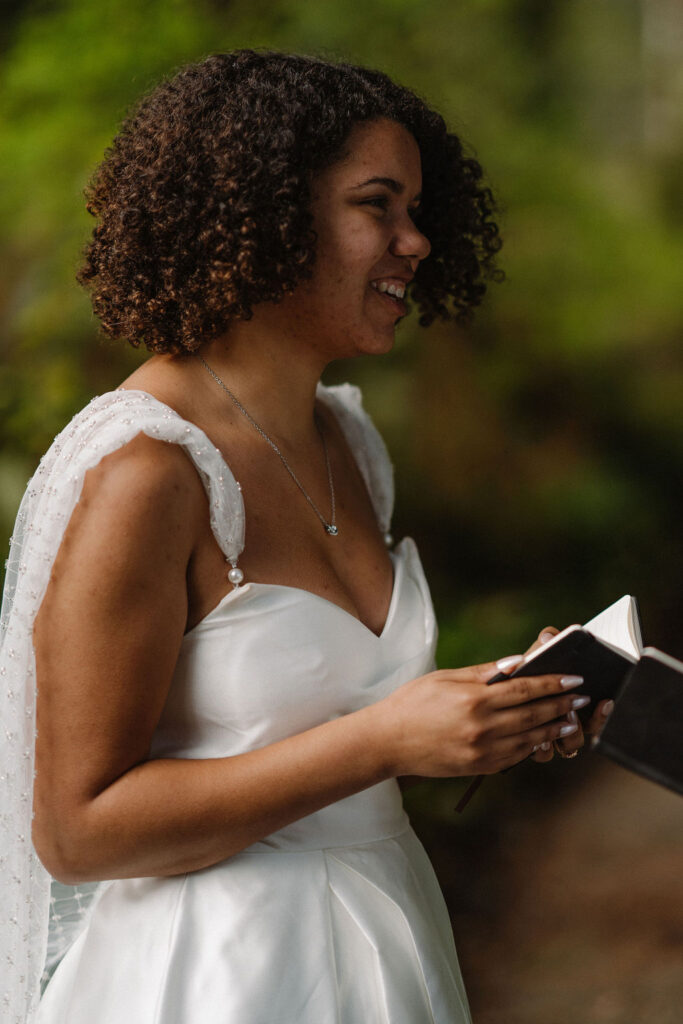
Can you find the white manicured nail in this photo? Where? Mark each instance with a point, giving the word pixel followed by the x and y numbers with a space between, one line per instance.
pixel 580 702
pixel 505 664
pixel 568 729
pixel 535 748
pixel 606 709
pixel 569 681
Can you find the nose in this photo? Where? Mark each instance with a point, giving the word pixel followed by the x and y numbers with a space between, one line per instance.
pixel 409 242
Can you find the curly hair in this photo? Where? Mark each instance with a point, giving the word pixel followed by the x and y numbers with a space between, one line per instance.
pixel 203 199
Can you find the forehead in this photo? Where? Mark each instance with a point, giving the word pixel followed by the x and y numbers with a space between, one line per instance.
pixel 381 149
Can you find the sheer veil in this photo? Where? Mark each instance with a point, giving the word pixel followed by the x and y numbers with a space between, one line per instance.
pixel 40 918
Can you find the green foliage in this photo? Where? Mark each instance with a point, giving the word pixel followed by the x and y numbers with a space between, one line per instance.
pixel 538 454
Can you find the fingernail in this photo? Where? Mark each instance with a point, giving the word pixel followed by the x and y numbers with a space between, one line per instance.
pixel 545 745
pixel 569 681
pixel 535 748
pixel 572 717
pixel 505 664
pixel 580 702
pixel 607 707
pixel 567 730
pixel 544 637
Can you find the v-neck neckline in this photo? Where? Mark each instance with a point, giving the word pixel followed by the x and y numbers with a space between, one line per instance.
pixel 333 408
pixel 397 556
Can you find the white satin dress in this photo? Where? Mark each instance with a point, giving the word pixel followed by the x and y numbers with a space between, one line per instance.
pixel 335 919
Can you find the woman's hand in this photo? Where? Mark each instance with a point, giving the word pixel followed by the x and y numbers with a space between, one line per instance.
pixel 450 723
pixel 571 744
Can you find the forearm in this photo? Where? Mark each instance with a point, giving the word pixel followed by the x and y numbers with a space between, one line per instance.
pixel 170 816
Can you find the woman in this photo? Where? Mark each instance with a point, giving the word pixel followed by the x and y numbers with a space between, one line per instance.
pixel 233 676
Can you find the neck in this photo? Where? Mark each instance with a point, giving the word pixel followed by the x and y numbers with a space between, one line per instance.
pixel 273 374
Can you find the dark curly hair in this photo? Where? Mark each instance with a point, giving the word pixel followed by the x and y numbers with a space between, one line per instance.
pixel 203 198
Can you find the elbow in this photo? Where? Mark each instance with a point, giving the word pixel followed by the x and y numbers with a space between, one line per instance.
pixel 62 852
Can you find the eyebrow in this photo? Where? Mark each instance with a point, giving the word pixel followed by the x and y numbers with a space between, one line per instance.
pixel 394 186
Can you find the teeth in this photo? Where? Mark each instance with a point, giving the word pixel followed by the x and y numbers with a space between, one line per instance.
pixel 397 290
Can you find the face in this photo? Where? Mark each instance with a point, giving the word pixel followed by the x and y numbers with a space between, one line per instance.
pixel 368 246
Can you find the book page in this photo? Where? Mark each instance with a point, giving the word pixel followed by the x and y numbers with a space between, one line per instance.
pixel 619 625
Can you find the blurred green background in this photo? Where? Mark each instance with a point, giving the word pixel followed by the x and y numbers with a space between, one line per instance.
pixel 539 452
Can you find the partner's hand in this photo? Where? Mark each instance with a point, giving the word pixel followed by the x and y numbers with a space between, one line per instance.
pixel 450 723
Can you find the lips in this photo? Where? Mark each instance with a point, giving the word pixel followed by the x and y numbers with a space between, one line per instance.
pixel 389 287
pixel 390 299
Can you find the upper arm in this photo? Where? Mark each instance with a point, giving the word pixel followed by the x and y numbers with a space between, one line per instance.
pixel 109 629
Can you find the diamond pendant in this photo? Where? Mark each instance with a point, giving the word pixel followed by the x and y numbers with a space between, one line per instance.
pixel 331 529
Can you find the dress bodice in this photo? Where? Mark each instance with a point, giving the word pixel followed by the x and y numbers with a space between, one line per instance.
pixel 270 661
pixel 273 660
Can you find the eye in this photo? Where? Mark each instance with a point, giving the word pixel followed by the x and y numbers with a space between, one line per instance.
pixel 378 202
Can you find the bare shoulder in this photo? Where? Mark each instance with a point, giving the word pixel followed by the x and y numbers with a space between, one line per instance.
pixel 145 472
pixel 137 521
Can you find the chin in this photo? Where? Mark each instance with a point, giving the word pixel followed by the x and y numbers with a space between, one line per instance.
pixel 376 343
pixel 361 341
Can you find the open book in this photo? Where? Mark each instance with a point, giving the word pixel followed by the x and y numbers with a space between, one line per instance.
pixel 602 651
pixel 645 730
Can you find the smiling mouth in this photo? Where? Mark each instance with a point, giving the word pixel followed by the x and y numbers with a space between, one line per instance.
pixel 395 289
pixel 391 294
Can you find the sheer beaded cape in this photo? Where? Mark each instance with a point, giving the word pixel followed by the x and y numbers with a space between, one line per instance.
pixel 40 918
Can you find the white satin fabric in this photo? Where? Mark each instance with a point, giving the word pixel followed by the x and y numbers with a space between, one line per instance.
pixel 335 919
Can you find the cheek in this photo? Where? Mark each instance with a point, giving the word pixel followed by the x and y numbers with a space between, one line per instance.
pixel 351 247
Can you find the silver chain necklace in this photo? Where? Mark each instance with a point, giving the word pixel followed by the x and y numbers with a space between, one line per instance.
pixel 330 527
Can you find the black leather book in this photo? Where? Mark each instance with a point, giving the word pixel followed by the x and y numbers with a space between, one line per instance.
pixel 602 651
pixel 645 730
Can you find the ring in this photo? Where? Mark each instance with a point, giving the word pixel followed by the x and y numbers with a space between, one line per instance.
pixel 563 753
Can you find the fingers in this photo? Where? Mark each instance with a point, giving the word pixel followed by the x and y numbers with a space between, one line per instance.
pixel 547 633
pixel 512 721
pixel 596 722
pixel 528 688
pixel 543 752
pixel 489 669
pixel 570 744
pixel 536 742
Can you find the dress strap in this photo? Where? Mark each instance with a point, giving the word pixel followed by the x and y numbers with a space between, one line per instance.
pixel 113 419
pixel 369 450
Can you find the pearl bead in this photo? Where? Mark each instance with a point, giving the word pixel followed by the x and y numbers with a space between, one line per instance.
pixel 235 576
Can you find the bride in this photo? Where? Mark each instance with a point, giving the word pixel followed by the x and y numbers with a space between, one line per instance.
pixel 234 662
